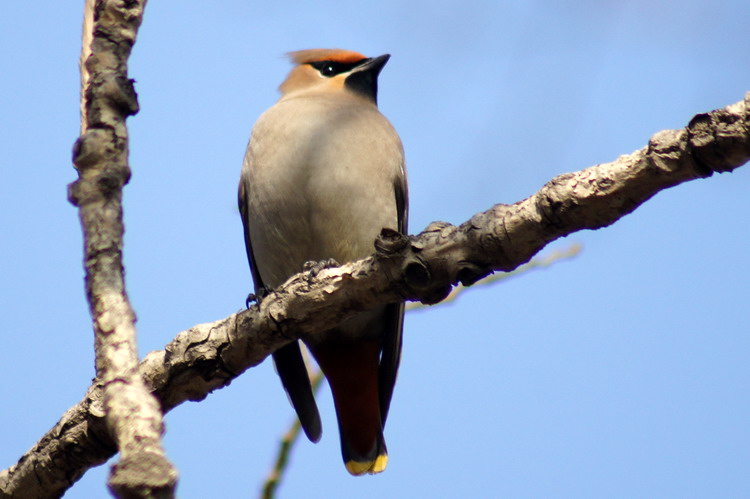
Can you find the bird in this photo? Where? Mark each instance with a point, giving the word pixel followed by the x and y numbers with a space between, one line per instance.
pixel 323 174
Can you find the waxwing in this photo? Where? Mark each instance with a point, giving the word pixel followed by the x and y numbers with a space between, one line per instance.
pixel 322 176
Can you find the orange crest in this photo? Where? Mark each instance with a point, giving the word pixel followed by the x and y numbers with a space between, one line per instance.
pixel 313 55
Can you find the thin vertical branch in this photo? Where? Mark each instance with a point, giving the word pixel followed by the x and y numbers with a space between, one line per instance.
pixel 133 415
pixel 273 480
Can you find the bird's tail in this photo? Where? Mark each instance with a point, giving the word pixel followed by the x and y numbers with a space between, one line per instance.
pixel 352 372
pixel 357 464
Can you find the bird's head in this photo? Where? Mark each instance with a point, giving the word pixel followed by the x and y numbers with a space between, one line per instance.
pixel 334 70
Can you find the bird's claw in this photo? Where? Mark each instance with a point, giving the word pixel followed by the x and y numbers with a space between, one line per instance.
pixel 251 298
pixel 255 297
pixel 314 268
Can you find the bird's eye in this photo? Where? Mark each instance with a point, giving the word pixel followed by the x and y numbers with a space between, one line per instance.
pixel 333 68
pixel 328 68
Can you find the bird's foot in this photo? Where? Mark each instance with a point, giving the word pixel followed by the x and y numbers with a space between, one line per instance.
pixel 251 298
pixel 314 268
pixel 255 297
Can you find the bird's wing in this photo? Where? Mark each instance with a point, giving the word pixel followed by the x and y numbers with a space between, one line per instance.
pixel 260 289
pixel 394 315
pixel 288 359
pixel 293 373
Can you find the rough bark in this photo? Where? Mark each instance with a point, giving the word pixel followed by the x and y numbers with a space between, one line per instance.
pixel 420 268
pixel 131 413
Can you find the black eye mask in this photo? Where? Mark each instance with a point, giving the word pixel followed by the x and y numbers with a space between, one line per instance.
pixel 333 68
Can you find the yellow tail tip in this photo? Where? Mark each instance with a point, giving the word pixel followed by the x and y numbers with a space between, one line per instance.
pixel 380 463
pixel 358 468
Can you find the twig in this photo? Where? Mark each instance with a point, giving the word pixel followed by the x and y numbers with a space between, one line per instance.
pixel 536 263
pixel 285 447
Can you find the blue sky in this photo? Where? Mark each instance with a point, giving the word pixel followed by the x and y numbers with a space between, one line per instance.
pixel 622 373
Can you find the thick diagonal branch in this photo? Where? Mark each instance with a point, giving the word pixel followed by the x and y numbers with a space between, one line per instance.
pixel 421 268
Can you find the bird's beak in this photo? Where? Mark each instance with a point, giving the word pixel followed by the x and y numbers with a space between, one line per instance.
pixel 363 79
pixel 373 65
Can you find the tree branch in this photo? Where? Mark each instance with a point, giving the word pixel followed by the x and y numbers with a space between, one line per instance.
pixel 132 414
pixel 420 268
